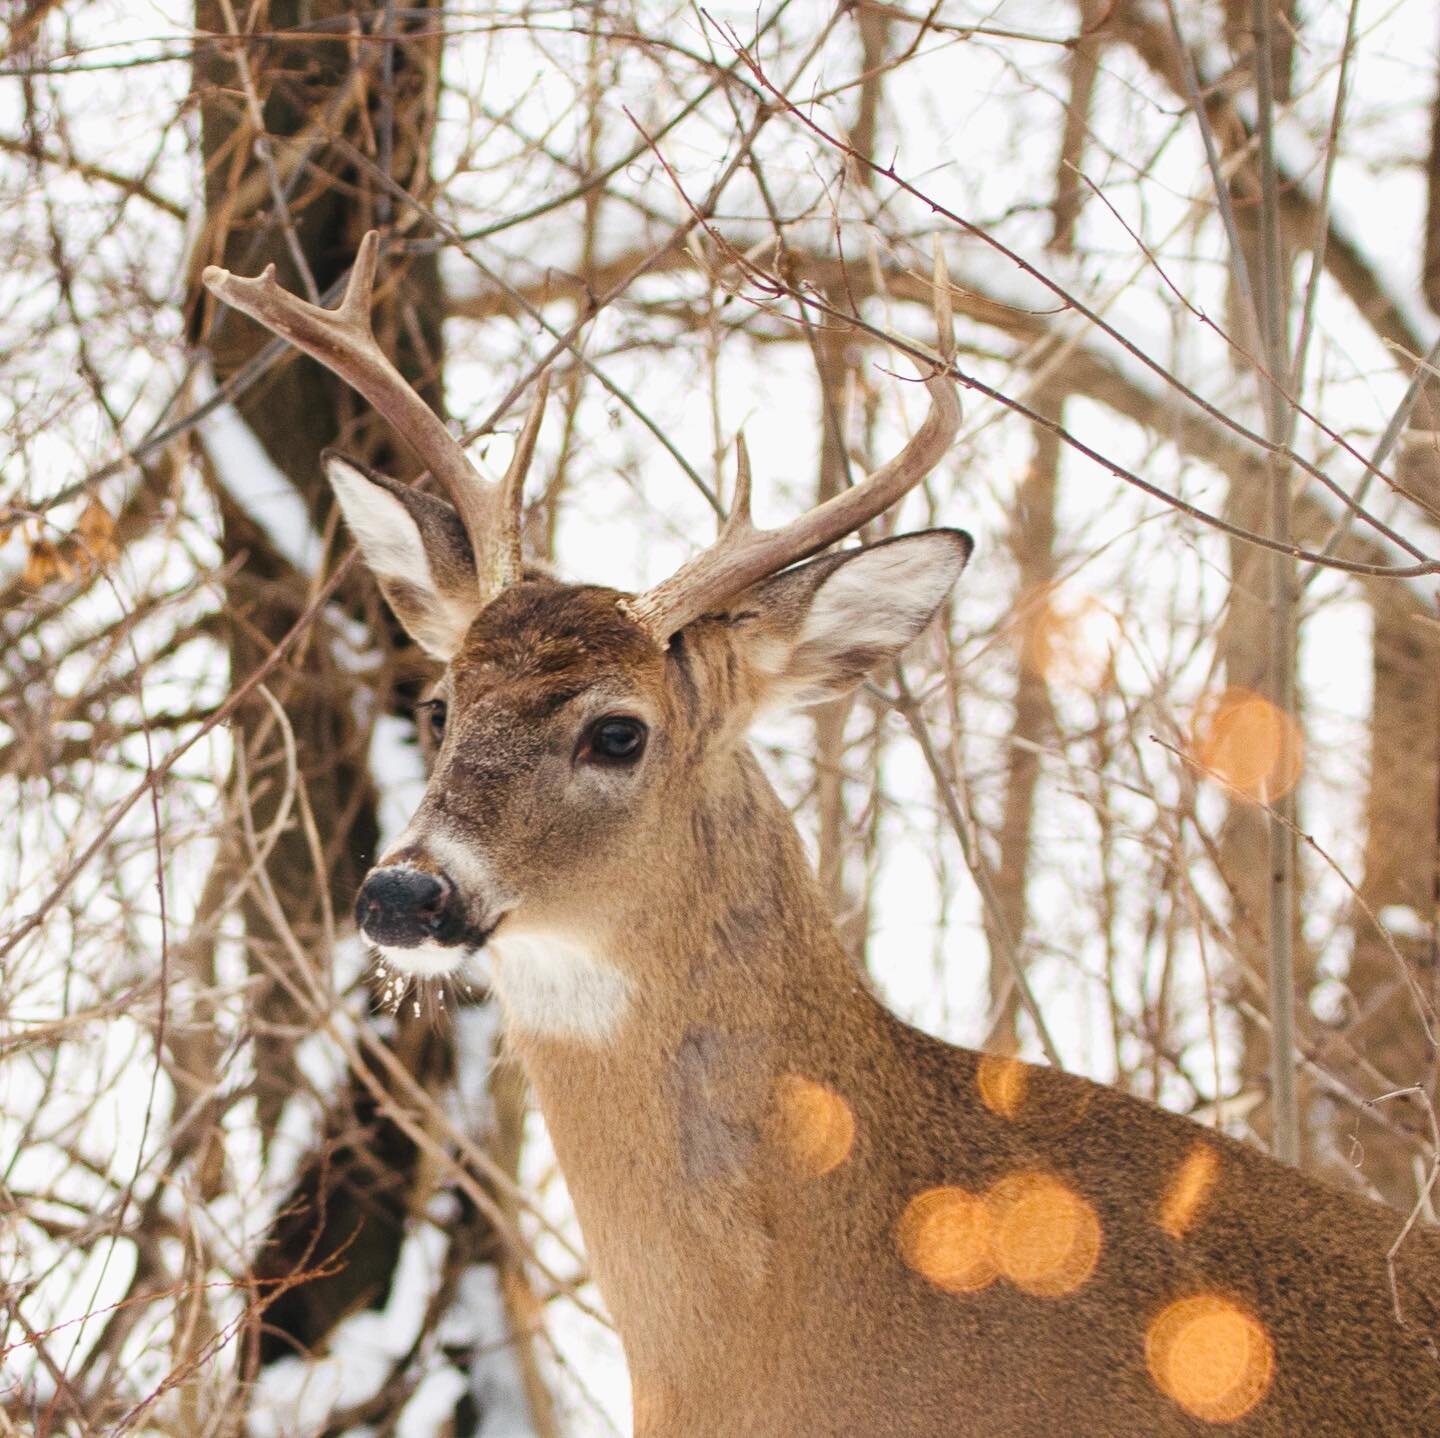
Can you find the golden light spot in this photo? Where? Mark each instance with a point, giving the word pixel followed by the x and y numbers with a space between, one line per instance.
pixel 1067 638
pixel 1046 1237
pixel 817 1127
pixel 1002 1081
pixel 944 1235
pixel 1211 1356
pixel 1189 1189
pixel 1248 744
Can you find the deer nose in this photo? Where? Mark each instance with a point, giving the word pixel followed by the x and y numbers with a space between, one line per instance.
pixel 404 907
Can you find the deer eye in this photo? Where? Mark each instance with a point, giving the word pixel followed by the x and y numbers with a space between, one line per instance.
pixel 614 740
pixel 432 714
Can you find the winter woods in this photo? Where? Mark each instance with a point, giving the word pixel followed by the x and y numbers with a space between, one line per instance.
pixel 1157 802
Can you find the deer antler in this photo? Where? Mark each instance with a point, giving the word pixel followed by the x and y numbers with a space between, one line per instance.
pixel 742 554
pixel 344 342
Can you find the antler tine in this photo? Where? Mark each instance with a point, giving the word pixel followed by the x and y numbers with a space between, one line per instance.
pixel 738 521
pixel 344 342
pixel 743 554
pixel 512 487
pixel 359 294
pixel 944 303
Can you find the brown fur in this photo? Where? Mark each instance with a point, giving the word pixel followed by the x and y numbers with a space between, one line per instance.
pixel 754 1298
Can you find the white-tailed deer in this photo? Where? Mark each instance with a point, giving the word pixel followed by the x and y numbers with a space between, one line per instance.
pixel 806 1217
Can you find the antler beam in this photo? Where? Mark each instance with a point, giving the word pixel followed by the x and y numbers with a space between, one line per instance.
pixel 344 342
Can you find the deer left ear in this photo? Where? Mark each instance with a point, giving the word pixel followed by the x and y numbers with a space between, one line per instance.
pixel 821 628
pixel 417 550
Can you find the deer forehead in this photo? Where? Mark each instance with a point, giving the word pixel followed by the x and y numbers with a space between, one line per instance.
pixel 543 629
pixel 545 652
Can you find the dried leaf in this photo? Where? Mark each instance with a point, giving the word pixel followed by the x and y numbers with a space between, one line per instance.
pixel 96 534
pixel 47 562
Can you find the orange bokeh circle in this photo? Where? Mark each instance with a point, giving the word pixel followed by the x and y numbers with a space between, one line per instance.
pixel 1002 1081
pixel 944 1235
pixel 817 1126
pixel 1247 744
pixel 1067 638
pixel 1047 1238
pixel 1211 1356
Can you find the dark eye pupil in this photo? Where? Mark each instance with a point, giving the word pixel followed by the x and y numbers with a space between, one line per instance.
pixel 617 738
pixel 435 713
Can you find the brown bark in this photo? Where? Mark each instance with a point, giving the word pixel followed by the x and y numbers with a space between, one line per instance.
pixel 1383 1019
pixel 1246 647
pixel 300 411
pixel 1244 843
pixel 1033 723
pixel 1386 1020
pixel 345 1216
pixel 836 361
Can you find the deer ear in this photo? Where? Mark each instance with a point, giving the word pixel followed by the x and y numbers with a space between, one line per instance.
pixel 821 628
pixel 417 550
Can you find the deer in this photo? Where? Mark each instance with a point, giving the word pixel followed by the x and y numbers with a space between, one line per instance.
pixel 805 1216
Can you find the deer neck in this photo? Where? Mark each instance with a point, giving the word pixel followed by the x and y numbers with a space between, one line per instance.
pixel 732 980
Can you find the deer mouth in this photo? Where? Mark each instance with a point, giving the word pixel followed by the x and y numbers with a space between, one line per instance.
pixel 435 958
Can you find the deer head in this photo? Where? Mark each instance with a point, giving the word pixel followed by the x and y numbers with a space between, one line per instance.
pixel 572 721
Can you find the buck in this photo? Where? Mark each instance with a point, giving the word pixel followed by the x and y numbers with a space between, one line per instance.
pixel 806 1217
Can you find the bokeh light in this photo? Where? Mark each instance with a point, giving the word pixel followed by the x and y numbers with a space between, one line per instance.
pixel 817 1126
pixel 1002 1081
pixel 1211 1356
pixel 1188 1189
pixel 1046 1237
pixel 1029 1228
pixel 1244 741
pixel 944 1235
pixel 1067 637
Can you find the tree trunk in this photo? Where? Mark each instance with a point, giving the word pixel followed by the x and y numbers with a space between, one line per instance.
pixel 346 1217
pixel 1033 546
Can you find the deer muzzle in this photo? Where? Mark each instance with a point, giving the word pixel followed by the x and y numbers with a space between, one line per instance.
pixel 403 907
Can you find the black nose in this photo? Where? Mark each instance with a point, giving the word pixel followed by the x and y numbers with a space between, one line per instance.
pixel 404 907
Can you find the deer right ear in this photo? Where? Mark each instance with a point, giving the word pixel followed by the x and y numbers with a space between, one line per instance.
pixel 417 549
pixel 818 629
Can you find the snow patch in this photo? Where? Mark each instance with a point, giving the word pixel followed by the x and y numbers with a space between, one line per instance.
pixel 399 773
pixel 478 1321
pixel 254 482
pixel 294 1397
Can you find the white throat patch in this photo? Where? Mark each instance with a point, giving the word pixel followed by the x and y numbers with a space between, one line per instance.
pixel 553 986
